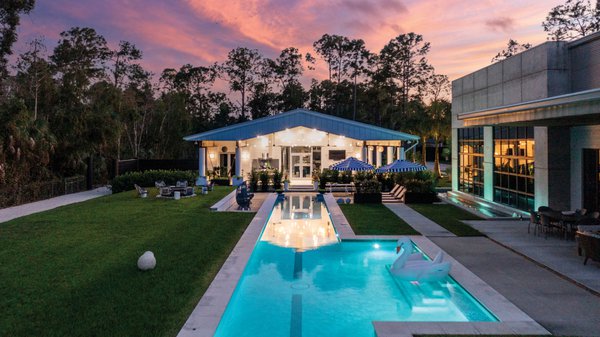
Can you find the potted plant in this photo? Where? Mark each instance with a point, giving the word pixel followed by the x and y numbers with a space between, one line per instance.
pixel 286 185
pixel 315 179
pixel 237 180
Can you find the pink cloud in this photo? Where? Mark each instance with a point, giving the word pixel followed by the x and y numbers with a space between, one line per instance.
pixel 203 31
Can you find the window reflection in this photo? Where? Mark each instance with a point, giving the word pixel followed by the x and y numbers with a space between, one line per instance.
pixel 470 160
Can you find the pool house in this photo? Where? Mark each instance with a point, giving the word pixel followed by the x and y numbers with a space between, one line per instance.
pixel 299 143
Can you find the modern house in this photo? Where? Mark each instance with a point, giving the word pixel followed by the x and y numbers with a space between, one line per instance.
pixel 299 143
pixel 526 130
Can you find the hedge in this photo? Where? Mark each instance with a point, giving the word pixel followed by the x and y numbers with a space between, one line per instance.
pixel 126 181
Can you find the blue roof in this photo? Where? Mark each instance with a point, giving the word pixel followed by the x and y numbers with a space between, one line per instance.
pixel 301 117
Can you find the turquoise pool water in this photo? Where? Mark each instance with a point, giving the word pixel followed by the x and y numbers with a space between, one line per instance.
pixel 333 289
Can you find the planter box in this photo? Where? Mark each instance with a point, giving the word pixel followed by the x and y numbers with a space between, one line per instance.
pixel 367 198
pixel 220 181
pixel 420 198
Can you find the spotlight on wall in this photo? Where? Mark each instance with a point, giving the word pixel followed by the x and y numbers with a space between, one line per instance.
pixel 380 149
pixel 211 155
pixel 245 155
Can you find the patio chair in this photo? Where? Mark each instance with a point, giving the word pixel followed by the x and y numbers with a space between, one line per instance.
pixel 594 215
pixel 581 211
pixel 165 191
pixel 550 220
pixel 533 220
pixel 142 192
pixel 159 184
pixel 589 245
pixel 181 183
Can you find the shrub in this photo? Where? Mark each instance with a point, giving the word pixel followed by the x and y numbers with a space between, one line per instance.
pixel 253 180
pixel 277 176
pixel 419 182
pixel 126 181
pixel 368 186
pixel 346 177
pixel 263 176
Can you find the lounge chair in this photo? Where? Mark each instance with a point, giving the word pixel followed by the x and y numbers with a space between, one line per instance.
pixel 400 193
pixel 142 192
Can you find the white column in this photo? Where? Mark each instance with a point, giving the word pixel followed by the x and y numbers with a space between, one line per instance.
pixel 401 154
pixel 378 156
pixel 371 159
pixel 390 154
pixel 238 160
pixel 364 157
pixel 488 163
pixel 201 167
pixel 202 161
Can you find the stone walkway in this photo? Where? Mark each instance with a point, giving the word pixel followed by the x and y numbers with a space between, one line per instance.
pixel 417 221
pixel 7 214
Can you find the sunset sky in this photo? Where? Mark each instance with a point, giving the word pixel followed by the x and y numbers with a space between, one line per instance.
pixel 464 34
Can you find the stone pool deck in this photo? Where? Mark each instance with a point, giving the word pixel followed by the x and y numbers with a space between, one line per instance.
pixel 543 277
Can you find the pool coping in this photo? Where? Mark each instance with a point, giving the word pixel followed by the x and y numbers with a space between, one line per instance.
pixel 205 318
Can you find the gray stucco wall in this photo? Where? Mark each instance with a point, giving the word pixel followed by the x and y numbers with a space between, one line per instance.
pixel 585 63
pixel 582 137
pixel 540 72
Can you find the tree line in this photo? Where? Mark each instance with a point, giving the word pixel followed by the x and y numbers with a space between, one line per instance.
pixel 83 98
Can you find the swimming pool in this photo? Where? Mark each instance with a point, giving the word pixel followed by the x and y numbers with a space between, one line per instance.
pixel 302 281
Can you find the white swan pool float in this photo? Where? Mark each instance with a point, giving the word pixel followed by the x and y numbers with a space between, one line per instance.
pixel 410 266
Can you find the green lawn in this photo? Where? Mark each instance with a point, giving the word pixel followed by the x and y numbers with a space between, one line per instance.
pixel 449 217
pixel 375 219
pixel 72 271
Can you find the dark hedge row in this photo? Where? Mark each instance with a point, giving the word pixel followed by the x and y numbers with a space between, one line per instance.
pixel 126 181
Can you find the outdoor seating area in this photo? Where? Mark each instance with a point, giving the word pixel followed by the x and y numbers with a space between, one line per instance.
pixel 180 189
pixel 562 223
pixel 580 225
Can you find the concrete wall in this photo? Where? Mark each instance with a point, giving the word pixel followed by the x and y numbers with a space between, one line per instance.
pixel 585 63
pixel 540 72
pixel 582 137
pixel 552 167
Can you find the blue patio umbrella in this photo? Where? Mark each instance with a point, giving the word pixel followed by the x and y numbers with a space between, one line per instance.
pixel 401 166
pixel 351 164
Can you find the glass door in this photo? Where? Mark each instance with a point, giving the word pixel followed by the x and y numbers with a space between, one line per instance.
pixel 300 162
